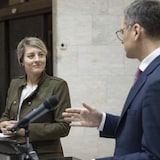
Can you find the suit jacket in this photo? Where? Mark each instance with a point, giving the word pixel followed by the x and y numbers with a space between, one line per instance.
pixel 137 130
pixel 46 131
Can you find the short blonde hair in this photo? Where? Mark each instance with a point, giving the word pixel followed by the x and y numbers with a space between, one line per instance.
pixel 29 41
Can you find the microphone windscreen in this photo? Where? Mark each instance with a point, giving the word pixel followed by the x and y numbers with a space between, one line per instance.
pixel 51 102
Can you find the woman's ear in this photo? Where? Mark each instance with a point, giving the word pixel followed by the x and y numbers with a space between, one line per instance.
pixel 21 63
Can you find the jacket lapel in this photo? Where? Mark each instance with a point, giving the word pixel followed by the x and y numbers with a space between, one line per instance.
pixel 133 91
pixel 140 82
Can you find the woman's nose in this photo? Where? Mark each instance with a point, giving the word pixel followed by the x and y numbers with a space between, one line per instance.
pixel 36 58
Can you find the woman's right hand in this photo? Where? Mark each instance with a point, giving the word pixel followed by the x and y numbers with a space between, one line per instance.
pixel 6 126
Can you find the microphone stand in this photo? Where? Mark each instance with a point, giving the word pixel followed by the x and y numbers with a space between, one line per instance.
pixel 27 150
pixel 27 155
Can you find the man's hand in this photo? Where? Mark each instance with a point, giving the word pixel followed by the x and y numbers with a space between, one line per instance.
pixel 85 117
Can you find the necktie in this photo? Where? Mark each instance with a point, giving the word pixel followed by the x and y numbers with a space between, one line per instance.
pixel 136 76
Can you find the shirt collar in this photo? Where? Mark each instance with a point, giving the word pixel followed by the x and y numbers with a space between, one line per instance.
pixel 147 60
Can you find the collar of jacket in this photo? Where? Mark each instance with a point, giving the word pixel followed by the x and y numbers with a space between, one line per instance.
pixel 24 79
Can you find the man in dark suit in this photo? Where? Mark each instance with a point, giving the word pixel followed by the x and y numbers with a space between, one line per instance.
pixel 137 130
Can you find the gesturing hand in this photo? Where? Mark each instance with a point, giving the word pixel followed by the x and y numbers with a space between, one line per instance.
pixel 86 117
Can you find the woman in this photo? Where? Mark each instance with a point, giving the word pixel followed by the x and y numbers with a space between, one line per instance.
pixel 29 91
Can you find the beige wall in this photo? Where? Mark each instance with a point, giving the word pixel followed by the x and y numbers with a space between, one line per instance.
pixel 93 63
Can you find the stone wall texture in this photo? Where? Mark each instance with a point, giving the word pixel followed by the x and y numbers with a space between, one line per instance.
pixel 92 60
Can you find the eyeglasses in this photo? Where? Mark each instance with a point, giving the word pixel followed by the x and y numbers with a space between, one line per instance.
pixel 119 34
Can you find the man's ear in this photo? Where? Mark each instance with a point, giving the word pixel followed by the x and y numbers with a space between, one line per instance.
pixel 137 31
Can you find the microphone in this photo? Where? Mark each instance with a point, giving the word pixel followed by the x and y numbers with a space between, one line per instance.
pixel 46 106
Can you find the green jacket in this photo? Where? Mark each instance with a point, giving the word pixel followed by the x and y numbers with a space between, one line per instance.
pixel 46 131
